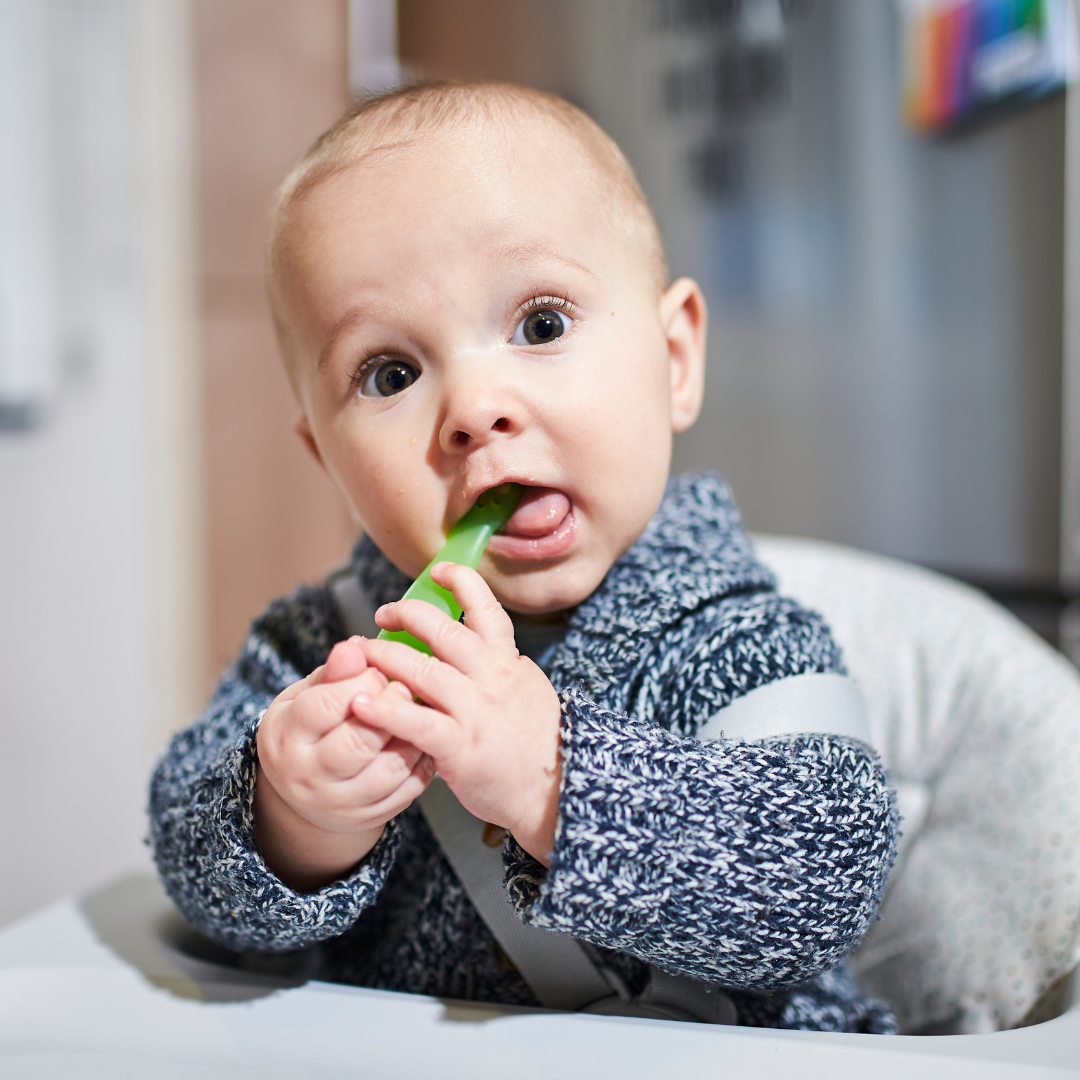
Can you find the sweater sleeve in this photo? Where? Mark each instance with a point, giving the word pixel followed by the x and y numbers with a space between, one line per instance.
pixel 201 820
pixel 755 866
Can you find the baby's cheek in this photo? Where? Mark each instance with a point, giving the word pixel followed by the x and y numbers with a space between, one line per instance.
pixel 399 511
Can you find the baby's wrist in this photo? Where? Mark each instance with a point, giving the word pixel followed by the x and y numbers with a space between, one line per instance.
pixel 305 856
pixel 535 832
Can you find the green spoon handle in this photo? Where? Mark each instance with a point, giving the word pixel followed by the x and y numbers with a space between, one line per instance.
pixel 464 545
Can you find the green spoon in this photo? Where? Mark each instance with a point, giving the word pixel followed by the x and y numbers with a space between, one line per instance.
pixel 464 545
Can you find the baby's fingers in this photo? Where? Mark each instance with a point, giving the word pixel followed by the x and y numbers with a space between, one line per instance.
pixel 400 790
pixel 484 615
pixel 326 706
pixel 429 730
pixel 298 687
pixel 378 780
pixel 346 660
pixel 348 749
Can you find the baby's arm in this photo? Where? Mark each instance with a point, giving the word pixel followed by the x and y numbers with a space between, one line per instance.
pixel 753 865
pixel 202 800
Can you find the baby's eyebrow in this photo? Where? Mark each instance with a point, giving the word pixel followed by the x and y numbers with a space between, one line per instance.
pixel 342 326
pixel 532 251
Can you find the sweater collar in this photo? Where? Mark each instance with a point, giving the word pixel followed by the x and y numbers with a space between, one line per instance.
pixel 692 552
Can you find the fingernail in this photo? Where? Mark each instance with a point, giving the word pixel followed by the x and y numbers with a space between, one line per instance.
pixel 361 700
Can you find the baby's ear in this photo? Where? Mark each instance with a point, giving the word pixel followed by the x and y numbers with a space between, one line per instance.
pixel 685 317
pixel 303 429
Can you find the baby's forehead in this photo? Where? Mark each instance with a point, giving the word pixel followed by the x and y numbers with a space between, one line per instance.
pixel 496 186
pixel 522 143
pixel 509 137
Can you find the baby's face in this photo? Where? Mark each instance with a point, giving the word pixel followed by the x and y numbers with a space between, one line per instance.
pixel 461 316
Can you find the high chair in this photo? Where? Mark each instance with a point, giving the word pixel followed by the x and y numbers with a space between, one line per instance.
pixel 976 948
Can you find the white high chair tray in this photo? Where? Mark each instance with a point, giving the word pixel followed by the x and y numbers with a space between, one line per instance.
pixel 95 988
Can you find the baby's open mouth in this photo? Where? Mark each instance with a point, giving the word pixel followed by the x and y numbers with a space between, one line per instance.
pixel 540 512
pixel 542 526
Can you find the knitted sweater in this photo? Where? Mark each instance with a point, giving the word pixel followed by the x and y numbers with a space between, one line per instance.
pixel 753 866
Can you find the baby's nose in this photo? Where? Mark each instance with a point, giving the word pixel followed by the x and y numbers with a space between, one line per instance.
pixel 477 414
pixel 461 437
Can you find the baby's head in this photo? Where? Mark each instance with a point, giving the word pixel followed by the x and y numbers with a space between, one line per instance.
pixel 469 289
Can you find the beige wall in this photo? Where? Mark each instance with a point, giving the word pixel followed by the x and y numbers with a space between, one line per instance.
pixel 467 39
pixel 484 39
pixel 270 76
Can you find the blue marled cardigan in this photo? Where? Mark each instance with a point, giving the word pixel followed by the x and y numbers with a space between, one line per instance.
pixel 753 866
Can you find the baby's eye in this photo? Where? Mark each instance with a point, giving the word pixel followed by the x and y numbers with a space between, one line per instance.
pixel 539 327
pixel 388 378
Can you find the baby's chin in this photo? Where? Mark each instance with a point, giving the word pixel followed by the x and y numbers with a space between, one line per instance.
pixel 534 591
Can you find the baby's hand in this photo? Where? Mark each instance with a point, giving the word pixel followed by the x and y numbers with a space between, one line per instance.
pixel 328 784
pixel 491 722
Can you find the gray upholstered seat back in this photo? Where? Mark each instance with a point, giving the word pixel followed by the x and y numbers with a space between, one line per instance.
pixel 979 722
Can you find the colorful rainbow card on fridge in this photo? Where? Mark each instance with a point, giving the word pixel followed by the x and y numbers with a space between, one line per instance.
pixel 963 58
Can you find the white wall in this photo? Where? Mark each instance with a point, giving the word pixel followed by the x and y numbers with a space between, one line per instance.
pixel 99 505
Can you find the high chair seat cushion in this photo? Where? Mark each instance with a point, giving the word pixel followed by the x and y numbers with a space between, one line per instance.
pixel 978 721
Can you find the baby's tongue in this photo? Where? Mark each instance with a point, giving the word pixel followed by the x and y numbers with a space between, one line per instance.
pixel 540 512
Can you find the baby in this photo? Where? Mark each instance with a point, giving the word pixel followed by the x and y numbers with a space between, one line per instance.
pixel 469 289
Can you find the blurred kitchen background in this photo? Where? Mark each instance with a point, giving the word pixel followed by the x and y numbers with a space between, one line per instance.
pixel 885 221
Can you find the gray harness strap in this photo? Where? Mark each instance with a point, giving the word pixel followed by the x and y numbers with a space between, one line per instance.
pixel 555 966
pixel 813 704
pixel 356 610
